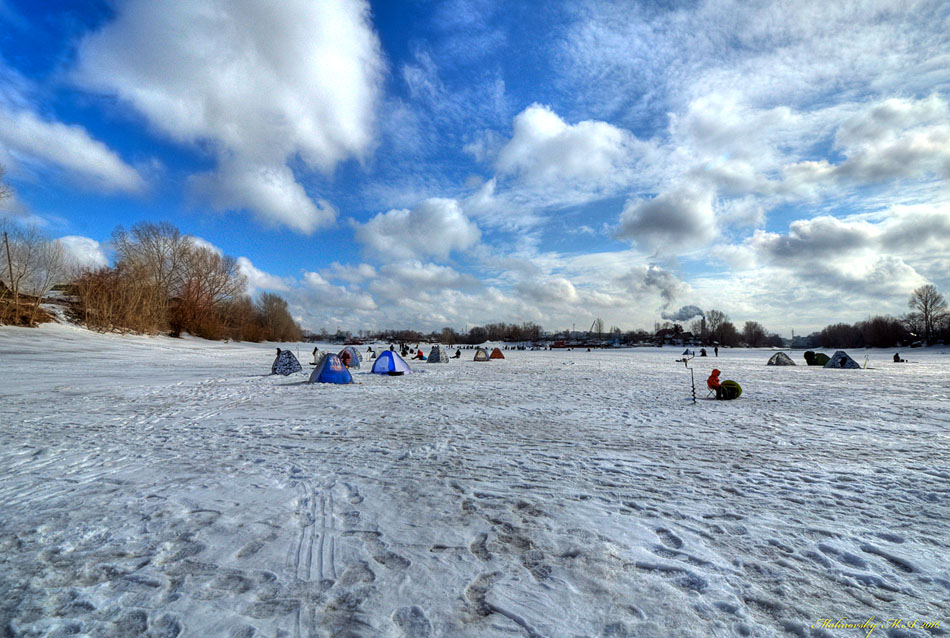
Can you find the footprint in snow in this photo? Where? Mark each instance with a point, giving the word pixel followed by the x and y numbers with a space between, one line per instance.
pixel 413 622
pixel 669 538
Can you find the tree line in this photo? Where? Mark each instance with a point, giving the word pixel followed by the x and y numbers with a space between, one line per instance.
pixel 527 331
pixel 928 322
pixel 161 282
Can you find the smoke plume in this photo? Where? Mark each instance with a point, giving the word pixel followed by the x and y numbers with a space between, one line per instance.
pixel 684 313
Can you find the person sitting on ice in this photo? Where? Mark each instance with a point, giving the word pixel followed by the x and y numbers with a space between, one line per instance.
pixel 713 383
pixel 702 352
pixel 458 353
pixel 897 358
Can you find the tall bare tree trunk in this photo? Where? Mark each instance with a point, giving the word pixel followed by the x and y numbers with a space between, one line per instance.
pixel 13 284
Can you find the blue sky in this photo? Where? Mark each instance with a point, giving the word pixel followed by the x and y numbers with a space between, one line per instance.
pixel 430 164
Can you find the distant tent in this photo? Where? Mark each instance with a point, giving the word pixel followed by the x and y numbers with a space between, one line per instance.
pixel 285 363
pixel 481 355
pixel 816 358
pixel 780 359
pixel 496 354
pixel 388 362
pixel 330 370
pixel 438 354
pixel 354 361
pixel 841 359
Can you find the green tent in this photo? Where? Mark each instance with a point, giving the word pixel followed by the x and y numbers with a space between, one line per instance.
pixel 816 358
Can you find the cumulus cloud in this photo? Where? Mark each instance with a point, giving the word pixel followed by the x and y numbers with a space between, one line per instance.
pixel 259 84
pixel 349 274
pixel 890 140
pixel 544 149
pixel 547 290
pixel 89 162
pixel 84 251
pixel 811 238
pixel 669 222
pixel 436 227
pixel 271 192
pixel 856 255
pixel 257 279
pixel 414 276
pixel 319 291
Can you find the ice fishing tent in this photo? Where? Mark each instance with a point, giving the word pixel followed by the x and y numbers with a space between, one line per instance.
pixel 330 370
pixel 841 359
pixel 780 359
pixel 438 354
pixel 354 361
pixel 388 362
pixel 816 359
pixel 496 354
pixel 285 363
pixel 481 355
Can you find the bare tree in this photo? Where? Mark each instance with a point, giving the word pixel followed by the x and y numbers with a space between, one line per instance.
pixel 714 319
pixel 279 325
pixel 20 255
pixel 598 327
pixel 49 269
pixel 154 256
pixel 208 279
pixel 754 334
pixel 931 307
pixel 31 265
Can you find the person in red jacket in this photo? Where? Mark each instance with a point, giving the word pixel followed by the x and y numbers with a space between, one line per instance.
pixel 713 383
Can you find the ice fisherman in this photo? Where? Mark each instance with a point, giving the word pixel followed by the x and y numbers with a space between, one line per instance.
pixel 713 383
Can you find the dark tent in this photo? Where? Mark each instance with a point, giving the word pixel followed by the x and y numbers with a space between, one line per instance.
pixel 285 363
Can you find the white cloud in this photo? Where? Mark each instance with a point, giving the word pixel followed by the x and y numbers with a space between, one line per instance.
pixel 893 139
pixel 871 258
pixel 547 290
pixel 410 277
pixel 271 192
pixel 89 162
pixel 672 221
pixel 258 279
pixel 204 243
pixel 349 274
pixel 319 291
pixel 259 84
pixel 544 149
pixel 84 251
pixel 435 227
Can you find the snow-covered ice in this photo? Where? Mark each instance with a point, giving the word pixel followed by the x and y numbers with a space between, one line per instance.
pixel 162 487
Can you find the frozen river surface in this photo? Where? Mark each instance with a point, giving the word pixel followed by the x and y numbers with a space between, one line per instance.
pixel 159 487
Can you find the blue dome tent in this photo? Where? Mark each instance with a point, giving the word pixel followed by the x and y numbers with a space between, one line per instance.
pixel 330 370
pixel 388 362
